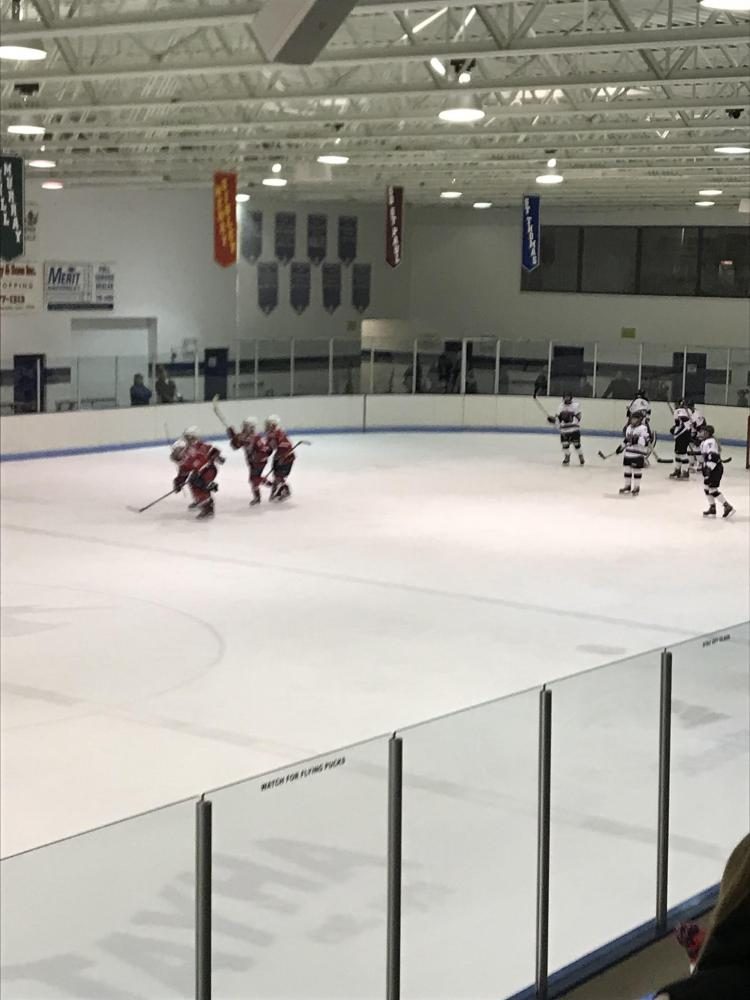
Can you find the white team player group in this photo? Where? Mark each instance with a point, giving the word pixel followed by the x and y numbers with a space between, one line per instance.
pixel 696 448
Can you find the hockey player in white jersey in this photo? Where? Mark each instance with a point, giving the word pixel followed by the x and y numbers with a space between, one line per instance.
pixel 682 432
pixel 713 471
pixel 568 420
pixel 697 424
pixel 640 405
pixel 636 444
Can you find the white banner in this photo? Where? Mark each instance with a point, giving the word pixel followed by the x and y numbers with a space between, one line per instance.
pixel 20 287
pixel 75 286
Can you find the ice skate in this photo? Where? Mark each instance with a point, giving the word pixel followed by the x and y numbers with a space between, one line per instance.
pixel 728 510
pixel 581 460
pixel 636 491
pixel 283 492
pixel 566 460
pixel 625 489
pixel 207 510
pixel 711 512
pixel 675 475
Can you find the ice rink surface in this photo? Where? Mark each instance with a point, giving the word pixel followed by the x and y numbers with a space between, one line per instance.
pixel 148 657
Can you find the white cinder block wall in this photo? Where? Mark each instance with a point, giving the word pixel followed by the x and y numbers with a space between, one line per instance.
pixel 459 277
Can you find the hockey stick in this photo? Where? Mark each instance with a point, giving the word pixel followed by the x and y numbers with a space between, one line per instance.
pixel 605 457
pixel 140 510
pixel 547 415
pixel 217 411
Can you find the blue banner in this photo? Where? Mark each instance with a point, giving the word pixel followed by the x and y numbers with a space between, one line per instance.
pixel 299 286
pixel 530 233
pixel 268 286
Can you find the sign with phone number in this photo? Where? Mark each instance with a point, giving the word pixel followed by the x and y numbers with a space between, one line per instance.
pixel 20 287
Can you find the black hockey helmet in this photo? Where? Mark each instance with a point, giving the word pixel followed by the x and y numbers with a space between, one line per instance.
pixel 635 419
pixel 641 394
pixel 567 398
pixel 708 430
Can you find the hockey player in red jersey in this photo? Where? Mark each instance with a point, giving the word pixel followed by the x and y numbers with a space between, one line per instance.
pixel 196 466
pixel 257 451
pixel 283 457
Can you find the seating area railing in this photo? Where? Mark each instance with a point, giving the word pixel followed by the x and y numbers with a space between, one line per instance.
pixel 510 849
pixel 301 367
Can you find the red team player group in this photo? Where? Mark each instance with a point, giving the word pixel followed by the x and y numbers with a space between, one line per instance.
pixel 197 462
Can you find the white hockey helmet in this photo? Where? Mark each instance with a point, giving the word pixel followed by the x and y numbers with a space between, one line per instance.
pixel 273 421
pixel 250 422
pixel 191 433
pixel 178 450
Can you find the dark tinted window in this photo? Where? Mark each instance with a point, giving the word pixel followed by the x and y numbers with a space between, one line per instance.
pixel 609 258
pixel 725 262
pixel 669 260
pixel 558 271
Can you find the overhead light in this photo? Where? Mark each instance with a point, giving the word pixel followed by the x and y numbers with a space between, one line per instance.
pixel 42 164
pixel 22 53
pixel 424 24
pixel 242 197
pixel 438 66
pixel 551 175
pixel 705 204
pixel 334 159
pixel 464 77
pixel 729 150
pixel 25 128
pixel 482 204
pixel 710 192
pixel 276 168
pixel 462 108
pixel 275 182
pixel 52 185
pixel 726 4
pixel 450 194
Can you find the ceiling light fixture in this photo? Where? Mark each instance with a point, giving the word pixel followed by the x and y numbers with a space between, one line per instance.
pixel 276 168
pixel 448 195
pixel 42 164
pixel 438 66
pixel 710 192
pixel 705 204
pixel 464 77
pixel 22 53
pixel 52 185
pixel 462 109
pixel 242 197
pixel 274 182
pixel 333 159
pixel 26 128
pixel 482 204
pixel 732 150
pixel 726 4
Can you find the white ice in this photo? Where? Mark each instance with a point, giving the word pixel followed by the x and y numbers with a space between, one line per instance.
pixel 147 657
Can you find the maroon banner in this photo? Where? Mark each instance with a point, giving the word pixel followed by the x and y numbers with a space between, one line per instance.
pixel 394 225
pixel 225 218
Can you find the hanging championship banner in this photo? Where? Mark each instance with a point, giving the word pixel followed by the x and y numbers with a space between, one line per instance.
pixel 11 207
pixel 299 287
pixel 394 225
pixel 20 287
pixel 268 286
pixel 530 232
pixel 286 236
pixel 317 238
pixel 361 280
pixel 347 238
pixel 331 287
pixel 251 236
pixel 225 218
pixel 75 287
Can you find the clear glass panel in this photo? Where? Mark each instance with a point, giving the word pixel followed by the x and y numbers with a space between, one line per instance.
pixel 274 367
pixel 617 373
pixel 480 369
pixel 434 366
pixel 347 362
pixel 470 792
pixel 523 364
pixel 311 367
pixel 60 384
pixel 108 914
pixel 710 795
pixel 300 880
pixel 707 375
pixel 173 380
pixel 605 742
pixel 669 260
pixel 129 390
pixel 739 377
pixel 97 383
pixel 247 381
pixel 7 401
pixel 662 373
pixel 609 259
pixel 558 271
pixel 393 368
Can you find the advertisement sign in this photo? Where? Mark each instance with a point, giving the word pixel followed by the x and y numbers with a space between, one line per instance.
pixel 11 208
pixel 20 287
pixel 78 287
pixel 530 233
pixel 225 218
pixel 394 225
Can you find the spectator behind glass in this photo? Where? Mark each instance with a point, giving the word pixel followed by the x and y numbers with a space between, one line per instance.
pixel 166 390
pixel 722 971
pixel 618 388
pixel 140 394
pixel 742 397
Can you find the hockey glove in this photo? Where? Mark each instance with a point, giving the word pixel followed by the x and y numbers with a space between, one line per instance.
pixel 178 483
pixel 550 420
pixel 620 449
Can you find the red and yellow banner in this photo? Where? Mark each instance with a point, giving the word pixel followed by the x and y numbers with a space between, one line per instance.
pixel 225 218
